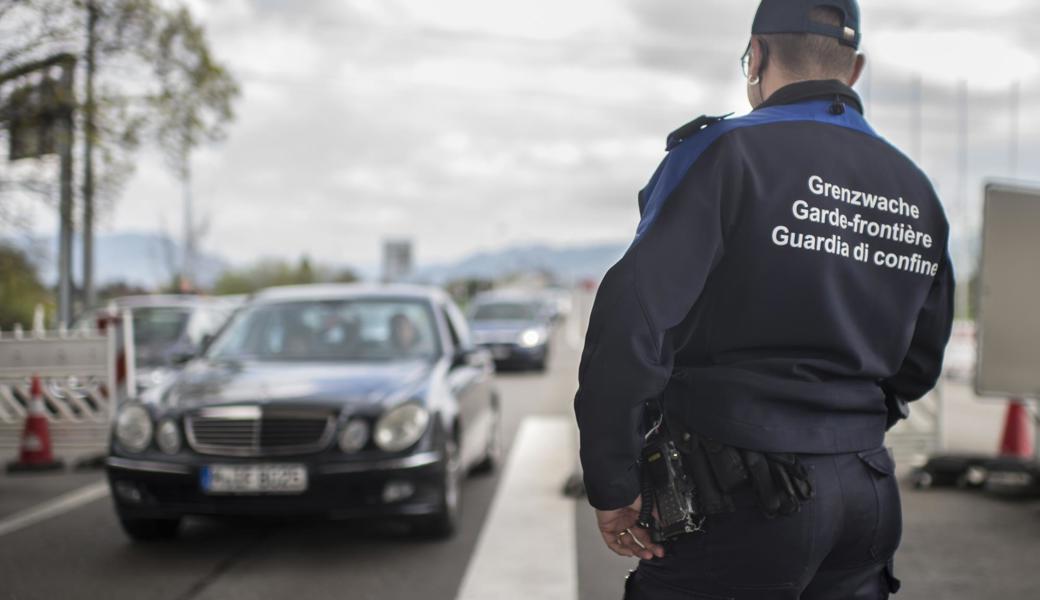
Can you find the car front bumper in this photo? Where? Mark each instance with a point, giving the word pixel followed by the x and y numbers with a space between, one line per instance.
pixel 146 488
pixel 515 353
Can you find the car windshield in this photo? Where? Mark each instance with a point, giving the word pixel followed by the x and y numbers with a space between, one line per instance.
pixel 156 329
pixel 506 311
pixel 336 330
pixel 159 325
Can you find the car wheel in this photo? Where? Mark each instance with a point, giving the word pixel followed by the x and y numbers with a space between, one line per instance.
pixel 150 530
pixel 445 521
pixel 493 452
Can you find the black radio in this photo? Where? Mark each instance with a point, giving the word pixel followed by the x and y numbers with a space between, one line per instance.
pixel 668 487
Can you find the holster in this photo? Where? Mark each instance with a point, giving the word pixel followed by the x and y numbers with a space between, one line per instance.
pixel 779 481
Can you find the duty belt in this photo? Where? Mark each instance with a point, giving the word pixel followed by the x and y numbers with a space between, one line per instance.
pixel 779 480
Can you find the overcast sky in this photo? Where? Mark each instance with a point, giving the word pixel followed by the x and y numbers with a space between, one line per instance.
pixel 473 124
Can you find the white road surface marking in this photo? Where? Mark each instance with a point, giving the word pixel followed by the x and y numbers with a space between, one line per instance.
pixel 573 336
pixel 53 508
pixel 527 548
pixel 578 320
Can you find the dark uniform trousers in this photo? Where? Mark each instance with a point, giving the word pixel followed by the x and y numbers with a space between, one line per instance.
pixel 838 546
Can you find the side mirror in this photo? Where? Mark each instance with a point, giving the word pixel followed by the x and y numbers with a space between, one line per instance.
pixel 184 351
pixel 460 359
pixel 474 357
pixel 182 357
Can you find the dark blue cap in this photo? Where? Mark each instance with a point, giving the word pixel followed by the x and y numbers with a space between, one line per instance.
pixel 792 16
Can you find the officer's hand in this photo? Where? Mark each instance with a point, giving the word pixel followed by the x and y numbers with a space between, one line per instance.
pixel 623 536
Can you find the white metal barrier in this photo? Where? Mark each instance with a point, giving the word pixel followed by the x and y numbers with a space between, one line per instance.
pixel 78 372
pixel 921 435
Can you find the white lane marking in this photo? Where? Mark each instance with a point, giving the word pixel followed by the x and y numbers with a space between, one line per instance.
pixel 578 320
pixel 573 332
pixel 53 508
pixel 527 548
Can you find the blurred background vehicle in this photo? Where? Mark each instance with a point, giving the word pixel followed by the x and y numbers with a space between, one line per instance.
pixel 168 329
pixel 515 326
pixel 339 400
pixel 560 302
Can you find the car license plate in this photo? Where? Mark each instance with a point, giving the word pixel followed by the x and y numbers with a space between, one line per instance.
pixel 500 352
pixel 254 479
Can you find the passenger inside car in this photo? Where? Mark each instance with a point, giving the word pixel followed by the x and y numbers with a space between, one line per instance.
pixel 404 336
pixel 297 343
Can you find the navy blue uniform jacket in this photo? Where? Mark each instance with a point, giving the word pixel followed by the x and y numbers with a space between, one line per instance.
pixel 790 268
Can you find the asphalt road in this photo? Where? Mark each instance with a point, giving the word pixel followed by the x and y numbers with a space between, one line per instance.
pixel 956 545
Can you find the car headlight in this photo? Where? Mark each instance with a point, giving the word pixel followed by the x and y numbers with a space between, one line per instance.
pixel 134 428
pixel 168 436
pixel 353 436
pixel 530 338
pixel 401 427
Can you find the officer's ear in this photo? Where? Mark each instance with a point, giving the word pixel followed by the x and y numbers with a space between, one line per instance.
pixel 756 58
pixel 857 69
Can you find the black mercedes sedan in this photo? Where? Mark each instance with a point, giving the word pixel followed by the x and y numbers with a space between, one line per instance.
pixel 346 401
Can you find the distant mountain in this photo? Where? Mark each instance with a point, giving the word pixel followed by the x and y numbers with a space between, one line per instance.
pixel 572 263
pixel 145 259
pixel 567 263
pixel 141 259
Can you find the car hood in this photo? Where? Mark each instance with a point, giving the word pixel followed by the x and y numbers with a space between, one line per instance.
pixel 516 327
pixel 501 332
pixel 161 353
pixel 357 385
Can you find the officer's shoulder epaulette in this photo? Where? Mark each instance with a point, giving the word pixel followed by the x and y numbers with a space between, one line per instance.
pixel 691 129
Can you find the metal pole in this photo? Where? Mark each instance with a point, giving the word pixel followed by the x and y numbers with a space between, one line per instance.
pixel 89 134
pixel 961 218
pixel 65 142
pixel 129 352
pixel 1016 95
pixel 940 415
pixel 916 118
pixel 111 353
pixel 187 282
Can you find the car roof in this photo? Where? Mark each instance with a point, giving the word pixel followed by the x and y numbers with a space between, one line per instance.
pixel 332 291
pixel 165 300
pixel 509 296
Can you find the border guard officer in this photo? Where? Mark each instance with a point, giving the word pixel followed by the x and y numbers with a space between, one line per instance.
pixel 788 293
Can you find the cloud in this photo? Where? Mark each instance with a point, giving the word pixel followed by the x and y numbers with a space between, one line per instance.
pixel 543 20
pixel 987 59
pixel 469 124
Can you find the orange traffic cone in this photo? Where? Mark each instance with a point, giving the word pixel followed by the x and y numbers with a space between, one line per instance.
pixel 36 454
pixel 1015 440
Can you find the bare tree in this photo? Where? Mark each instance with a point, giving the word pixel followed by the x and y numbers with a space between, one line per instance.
pixel 194 101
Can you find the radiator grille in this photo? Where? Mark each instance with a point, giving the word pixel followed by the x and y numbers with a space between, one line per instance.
pixel 259 431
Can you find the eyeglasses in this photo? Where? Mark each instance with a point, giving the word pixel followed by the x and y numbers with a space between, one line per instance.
pixel 745 59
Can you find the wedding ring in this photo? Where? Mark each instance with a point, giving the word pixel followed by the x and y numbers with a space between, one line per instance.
pixel 636 540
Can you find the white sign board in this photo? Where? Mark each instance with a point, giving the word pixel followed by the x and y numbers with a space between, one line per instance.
pixel 55 357
pixel 397 260
pixel 1009 298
